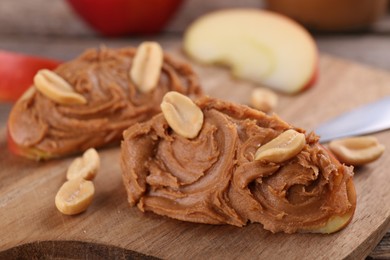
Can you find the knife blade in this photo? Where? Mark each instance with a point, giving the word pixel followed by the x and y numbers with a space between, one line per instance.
pixel 366 119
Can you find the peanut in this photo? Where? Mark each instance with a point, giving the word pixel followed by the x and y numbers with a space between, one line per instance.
pixel 85 166
pixel 146 68
pixel 287 145
pixel 74 196
pixel 182 114
pixel 263 99
pixel 56 88
pixel 28 93
pixel 357 150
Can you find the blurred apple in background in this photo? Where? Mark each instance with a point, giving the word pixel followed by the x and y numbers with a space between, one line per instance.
pixel 123 17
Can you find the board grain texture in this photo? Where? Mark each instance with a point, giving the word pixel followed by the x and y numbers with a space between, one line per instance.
pixel 31 226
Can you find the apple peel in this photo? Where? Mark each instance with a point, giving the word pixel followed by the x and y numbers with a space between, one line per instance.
pixel 260 46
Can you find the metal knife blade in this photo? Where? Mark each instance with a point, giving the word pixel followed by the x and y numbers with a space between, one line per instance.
pixel 370 118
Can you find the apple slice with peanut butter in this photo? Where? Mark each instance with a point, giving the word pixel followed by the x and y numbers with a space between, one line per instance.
pixel 89 101
pixel 242 166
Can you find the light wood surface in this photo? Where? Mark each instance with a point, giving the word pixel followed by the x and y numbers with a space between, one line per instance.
pixel 110 228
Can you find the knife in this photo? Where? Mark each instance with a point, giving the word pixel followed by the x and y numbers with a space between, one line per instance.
pixel 370 118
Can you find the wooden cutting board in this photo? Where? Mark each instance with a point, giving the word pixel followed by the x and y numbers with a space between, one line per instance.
pixel 31 226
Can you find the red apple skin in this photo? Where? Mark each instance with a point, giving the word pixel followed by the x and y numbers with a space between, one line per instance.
pixel 121 17
pixel 312 81
pixel 17 72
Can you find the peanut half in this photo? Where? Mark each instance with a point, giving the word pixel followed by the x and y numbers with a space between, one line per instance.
pixel 263 99
pixel 74 196
pixel 357 150
pixel 284 147
pixel 146 68
pixel 27 94
pixel 182 114
pixel 56 88
pixel 85 166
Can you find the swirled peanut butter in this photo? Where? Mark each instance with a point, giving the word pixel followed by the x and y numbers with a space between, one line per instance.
pixel 215 179
pixel 40 127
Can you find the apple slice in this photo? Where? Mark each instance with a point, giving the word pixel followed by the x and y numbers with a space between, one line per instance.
pixel 260 46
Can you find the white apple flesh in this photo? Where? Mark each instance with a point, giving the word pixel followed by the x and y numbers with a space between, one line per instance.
pixel 334 224
pixel 337 222
pixel 260 46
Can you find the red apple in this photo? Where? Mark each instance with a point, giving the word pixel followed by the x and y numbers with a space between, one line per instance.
pixel 121 17
pixel 17 72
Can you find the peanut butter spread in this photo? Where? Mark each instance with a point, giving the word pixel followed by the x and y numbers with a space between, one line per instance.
pixel 44 128
pixel 213 178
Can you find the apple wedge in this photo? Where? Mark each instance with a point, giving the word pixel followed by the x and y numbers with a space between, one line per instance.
pixel 257 45
pixel 123 17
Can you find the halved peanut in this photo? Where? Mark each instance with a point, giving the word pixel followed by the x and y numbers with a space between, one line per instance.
pixel 74 196
pixel 263 99
pixel 27 94
pixel 56 88
pixel 182 114
pixel 146 68
pixel 284 147
pixel 357 150
pixel 85 166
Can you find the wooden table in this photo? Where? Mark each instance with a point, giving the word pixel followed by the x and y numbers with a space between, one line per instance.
pixel 66 48
pixel 370 48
